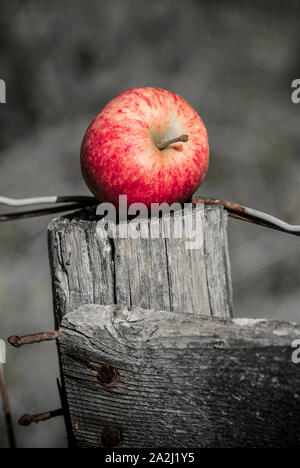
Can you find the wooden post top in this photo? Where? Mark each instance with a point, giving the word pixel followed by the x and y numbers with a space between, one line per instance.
pixel 173 262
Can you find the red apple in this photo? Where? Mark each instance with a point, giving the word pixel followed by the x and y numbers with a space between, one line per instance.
pixel 127 149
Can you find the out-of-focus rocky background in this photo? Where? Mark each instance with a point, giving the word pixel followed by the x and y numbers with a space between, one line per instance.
pixel 62 61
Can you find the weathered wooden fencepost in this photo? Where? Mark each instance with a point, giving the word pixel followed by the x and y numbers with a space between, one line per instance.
pixel 90 267
pixel 150 356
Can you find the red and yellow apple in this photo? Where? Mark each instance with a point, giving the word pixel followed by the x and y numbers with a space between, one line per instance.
pixel 147 143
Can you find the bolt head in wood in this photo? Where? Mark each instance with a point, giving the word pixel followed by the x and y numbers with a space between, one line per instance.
pixel 111 436
pixel 107 375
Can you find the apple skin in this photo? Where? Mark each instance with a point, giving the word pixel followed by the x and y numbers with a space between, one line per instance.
pixel 119 154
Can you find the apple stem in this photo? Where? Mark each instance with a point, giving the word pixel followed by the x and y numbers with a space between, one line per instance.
pixel 162 146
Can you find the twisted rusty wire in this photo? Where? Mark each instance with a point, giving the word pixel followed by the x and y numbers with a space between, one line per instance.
pixel 70 203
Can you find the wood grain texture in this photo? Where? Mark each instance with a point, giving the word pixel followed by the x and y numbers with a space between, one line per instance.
pixel 90 266
pixel 182 380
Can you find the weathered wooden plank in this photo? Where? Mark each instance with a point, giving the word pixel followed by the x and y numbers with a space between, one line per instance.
pixel 217 267
pixel 178 380
pixel 88 266
pixel 81 262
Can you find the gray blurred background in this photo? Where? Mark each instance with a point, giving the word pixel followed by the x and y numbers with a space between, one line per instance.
pixel 62 62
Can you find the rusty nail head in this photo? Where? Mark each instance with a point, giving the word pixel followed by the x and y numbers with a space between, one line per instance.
pixel 15 341
pixel 107 375
pixel 111 436
pixel 25 420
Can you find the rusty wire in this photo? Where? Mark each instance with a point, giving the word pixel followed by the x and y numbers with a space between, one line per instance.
pixel 45 211
pixel 70 203
pixel 251 215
